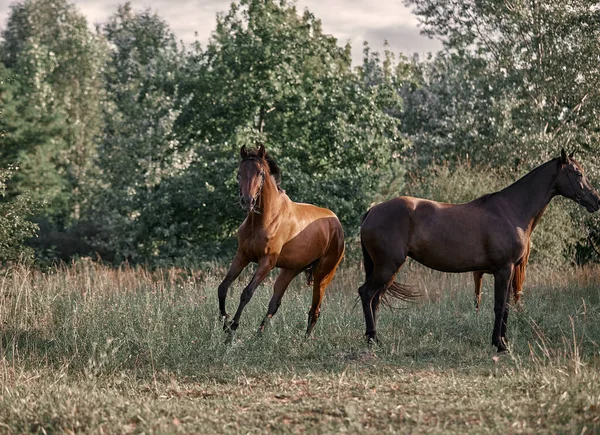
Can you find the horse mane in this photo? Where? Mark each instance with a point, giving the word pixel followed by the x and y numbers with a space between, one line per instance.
pixel 485 198
pixel 274 169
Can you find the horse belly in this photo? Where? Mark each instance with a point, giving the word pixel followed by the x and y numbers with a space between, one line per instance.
pixel 300 252
pixel 461 248
pixel 449 263
pixel 305 247
pixel 449 246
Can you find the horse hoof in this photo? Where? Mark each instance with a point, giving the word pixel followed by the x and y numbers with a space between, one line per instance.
pixel 260 332
pixel 500 355
pixel 503 349
pixel 230 327
pixel 374 342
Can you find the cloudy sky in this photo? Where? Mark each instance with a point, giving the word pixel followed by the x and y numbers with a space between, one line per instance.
pixel 348 20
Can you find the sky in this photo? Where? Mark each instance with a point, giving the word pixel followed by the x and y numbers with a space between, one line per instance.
pixel 348 20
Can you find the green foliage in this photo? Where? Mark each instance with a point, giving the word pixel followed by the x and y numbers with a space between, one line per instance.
pixel 133 143
pixel 138 147
pixel 270 76
pixel 534 66
pixel 31 136
pixel 15 226
pixel 516 82
pixel 56 61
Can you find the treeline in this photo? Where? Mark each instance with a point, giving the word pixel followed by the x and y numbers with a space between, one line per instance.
pixel 127 142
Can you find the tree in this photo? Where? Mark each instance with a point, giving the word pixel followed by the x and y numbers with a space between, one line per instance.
pixel 57 62
pixel 541 65
pixel 138 147
pixel 31 136
pixel 271 76
pixel 15 226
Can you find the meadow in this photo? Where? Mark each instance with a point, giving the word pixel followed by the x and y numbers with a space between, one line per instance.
pixel 87 348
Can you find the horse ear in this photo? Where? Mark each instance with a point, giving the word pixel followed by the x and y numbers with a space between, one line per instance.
pixel 563 156
pixel 262 152
pixel 243 152
pixel 571 155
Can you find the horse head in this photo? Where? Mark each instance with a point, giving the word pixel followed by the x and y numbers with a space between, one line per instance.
pixel 251 176
pixel 572 183
pixel 257 167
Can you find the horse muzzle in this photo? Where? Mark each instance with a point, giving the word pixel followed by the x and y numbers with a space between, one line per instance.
pixel 591 203
pixel 248 203
pixel 593 207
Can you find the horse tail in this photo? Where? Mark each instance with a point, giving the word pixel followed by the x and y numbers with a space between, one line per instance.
pixel 398 291
pixel 309 272
pixel 518 279
pixel 395 290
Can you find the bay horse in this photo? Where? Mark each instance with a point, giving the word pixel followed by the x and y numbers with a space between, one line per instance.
pixel 490 235
pixel 277 232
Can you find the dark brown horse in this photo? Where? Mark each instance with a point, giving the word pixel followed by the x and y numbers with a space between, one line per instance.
pixel 490 234
pixel 280 233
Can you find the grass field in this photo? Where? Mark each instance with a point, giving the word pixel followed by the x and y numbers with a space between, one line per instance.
pixel 97 350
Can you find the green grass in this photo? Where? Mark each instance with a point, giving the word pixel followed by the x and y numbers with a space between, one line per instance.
pixel 95 350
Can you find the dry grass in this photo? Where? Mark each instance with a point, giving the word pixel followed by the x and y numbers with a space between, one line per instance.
pixel 97 350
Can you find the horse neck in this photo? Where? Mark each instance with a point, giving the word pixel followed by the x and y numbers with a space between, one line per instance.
pixel 531 194
pixel 269 203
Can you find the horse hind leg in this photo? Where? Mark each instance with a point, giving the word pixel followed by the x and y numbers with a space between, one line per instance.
pixel 323 272
pixel 282 282
pixel 373 290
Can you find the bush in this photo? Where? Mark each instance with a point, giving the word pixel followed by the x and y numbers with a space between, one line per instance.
pixel 15 226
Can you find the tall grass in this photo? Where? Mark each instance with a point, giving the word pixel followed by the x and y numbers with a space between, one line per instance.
pixel 125 331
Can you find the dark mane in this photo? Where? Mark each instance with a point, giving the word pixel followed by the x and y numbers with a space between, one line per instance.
pixel 485 198
pixel 273 166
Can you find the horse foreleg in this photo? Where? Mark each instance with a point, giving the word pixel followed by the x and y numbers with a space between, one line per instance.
pixel 237 265
pixel 502 279
pixel 264 267
pixel 281 284
pixel 477 278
